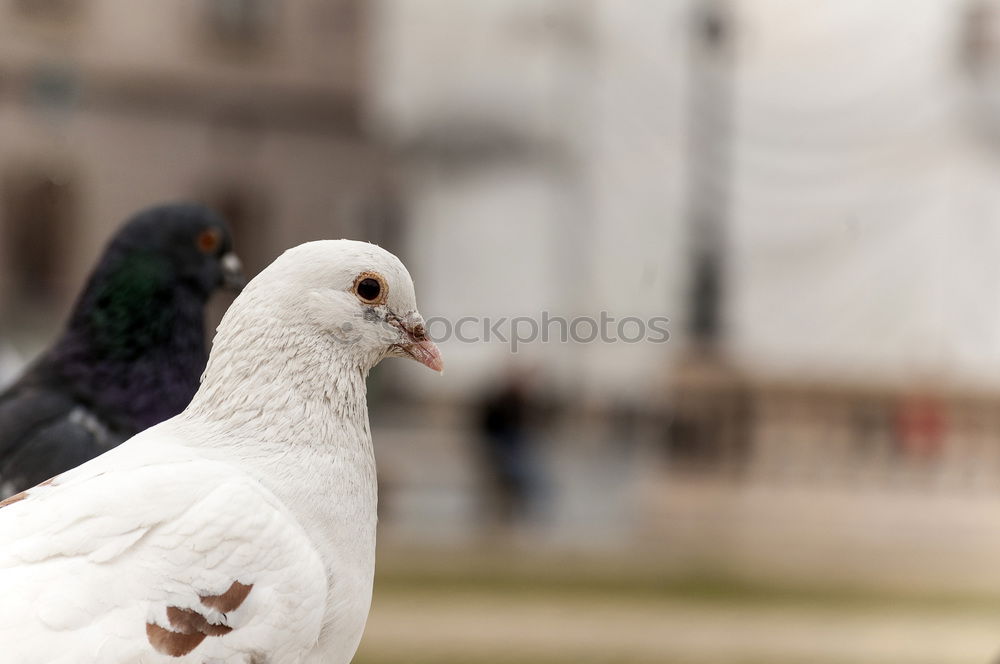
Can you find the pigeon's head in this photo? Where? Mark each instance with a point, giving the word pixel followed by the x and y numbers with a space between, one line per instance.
pixel 188 242
pixel 353 294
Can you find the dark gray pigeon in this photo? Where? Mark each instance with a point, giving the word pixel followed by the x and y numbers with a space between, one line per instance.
pixel 132 352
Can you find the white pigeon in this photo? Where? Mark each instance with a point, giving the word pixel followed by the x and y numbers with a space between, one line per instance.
pixel 243 529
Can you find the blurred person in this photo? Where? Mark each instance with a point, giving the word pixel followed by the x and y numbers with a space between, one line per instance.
pixel 131 354
pixel 508 420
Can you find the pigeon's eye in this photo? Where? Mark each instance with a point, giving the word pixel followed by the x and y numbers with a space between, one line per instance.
pixel 370 288
pixel 208 240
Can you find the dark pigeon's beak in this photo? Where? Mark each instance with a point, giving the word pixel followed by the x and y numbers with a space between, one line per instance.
pixel 232 272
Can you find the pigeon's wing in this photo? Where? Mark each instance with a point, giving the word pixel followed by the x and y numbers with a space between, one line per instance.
pixel 148 554
pixel 42 433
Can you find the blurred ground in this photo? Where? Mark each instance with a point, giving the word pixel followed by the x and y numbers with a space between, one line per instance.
pixel 513 607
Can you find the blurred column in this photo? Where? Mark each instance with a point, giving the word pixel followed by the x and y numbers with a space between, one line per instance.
pixel 711 63
pixel 710 402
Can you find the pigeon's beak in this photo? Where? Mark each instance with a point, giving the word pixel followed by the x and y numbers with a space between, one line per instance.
pixel 232 272
pixel 419 347
pixel 426 353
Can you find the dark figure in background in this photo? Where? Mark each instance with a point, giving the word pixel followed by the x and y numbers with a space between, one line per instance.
pixel 508 418
pixel 132 352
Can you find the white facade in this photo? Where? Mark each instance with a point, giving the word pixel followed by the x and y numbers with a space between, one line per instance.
pixel 862 242
pixel 866 231
pixel 570 202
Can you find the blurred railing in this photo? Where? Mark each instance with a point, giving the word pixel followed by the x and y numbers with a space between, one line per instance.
pixel 756 431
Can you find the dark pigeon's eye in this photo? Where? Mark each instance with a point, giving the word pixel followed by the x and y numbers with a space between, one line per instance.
pixel 370 288
pixel 208 241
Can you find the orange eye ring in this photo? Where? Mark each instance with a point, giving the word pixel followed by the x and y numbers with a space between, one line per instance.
pixel 370 287
pixel 209 240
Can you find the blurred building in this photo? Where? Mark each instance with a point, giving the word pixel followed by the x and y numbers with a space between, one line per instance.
pixel 554 152
pixel 107 106
pixel 809 196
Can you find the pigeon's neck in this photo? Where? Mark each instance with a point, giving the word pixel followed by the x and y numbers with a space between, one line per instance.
pixel 276 378
pixel 289 407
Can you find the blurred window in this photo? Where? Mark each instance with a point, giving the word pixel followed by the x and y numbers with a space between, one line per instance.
pixel 337 17
pixel 48 9
pixel 38 228
pixel 240 22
